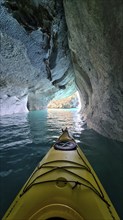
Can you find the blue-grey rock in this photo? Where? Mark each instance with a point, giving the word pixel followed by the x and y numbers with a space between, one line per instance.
pixel 96 43
pixel 35 64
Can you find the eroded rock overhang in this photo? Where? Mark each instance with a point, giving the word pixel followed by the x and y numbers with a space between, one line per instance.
pixel 36 62
pixel 95 32
pixel 35 58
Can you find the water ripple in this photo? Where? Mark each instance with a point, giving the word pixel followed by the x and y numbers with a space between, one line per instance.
pixel 5 173
pixel 25 139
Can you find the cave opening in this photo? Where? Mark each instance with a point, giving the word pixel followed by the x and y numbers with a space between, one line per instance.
pixel 69 102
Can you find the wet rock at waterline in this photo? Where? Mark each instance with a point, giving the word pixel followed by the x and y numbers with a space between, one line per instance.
pixel 35 58
pixel 95 33
pixel 37 65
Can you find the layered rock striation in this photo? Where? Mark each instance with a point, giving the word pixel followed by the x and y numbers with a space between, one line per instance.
pixel 37 64
pixel 35 58
pixel 95 31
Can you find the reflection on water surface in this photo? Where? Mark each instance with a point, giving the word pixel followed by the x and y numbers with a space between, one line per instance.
pixel 25 139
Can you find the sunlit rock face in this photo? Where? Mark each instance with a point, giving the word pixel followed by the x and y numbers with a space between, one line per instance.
pixel 35 58
pixel 95 40
pixel 36 61
pixel 66 103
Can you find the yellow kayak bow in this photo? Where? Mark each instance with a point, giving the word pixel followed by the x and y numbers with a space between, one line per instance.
pixel 63 186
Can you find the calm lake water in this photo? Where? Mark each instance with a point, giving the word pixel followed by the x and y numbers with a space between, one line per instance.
pixel 25 139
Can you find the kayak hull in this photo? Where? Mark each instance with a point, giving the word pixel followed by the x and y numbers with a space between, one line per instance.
pixel 63 185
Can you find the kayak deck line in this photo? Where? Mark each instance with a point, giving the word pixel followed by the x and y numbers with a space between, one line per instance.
pixel 64 188
pixel 54 168
pixel 76 182
pixel 100 194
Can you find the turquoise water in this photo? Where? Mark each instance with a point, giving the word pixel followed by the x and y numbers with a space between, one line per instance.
pixel 25 138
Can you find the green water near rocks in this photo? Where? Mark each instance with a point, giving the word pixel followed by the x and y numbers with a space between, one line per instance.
pixel 25 139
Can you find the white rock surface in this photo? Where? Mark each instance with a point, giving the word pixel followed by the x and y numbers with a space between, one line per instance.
pixel 11 105
pixel 23 70
pixel 95 40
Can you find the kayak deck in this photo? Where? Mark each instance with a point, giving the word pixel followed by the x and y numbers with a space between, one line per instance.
pixel 63 185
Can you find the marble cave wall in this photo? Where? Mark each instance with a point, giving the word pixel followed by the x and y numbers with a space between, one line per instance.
pixel 95 33
pixel 35 58
pixel 50 47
